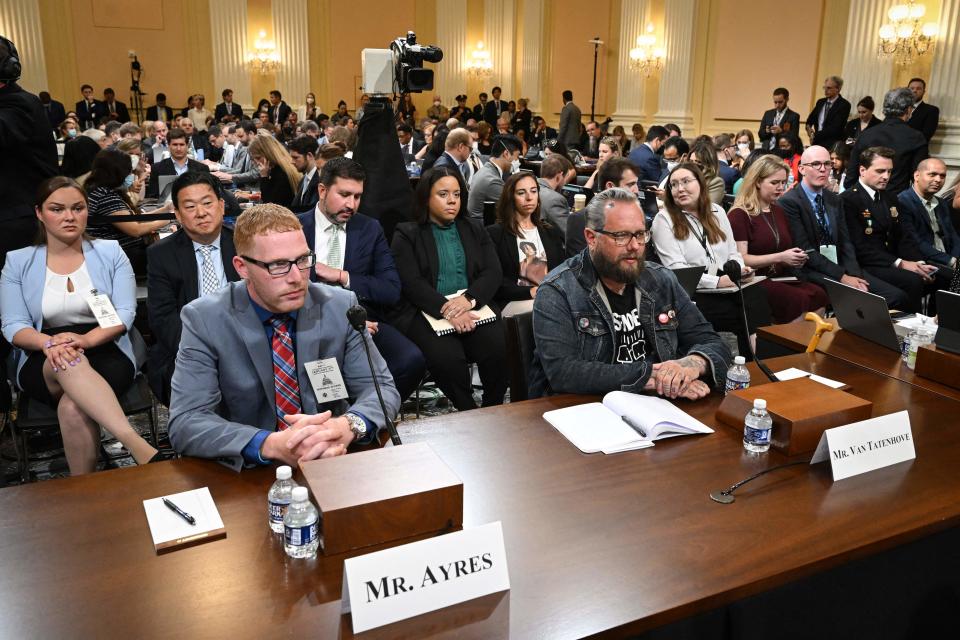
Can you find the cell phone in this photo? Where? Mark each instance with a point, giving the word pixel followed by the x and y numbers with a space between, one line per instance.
pixel 809 251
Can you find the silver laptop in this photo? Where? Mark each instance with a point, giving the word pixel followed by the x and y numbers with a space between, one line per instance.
pixel 863 314
pixel 165 185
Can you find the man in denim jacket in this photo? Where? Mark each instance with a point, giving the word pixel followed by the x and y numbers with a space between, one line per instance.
pixel 606 320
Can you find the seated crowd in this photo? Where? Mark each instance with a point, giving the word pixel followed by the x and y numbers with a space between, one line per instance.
pixel 246 305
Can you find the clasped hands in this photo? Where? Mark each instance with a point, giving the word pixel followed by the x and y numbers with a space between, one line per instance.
pixel 679 379
pixel 64 349
pixel 458 313
pixel 308 437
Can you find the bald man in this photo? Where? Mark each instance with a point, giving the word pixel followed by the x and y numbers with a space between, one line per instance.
pixel 928 217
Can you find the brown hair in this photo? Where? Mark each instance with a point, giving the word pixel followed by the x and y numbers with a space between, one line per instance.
pixel 260 220
pixel 554 164
pixel 269 148
pixel 47 189
pixel 703 213
pixel 507 213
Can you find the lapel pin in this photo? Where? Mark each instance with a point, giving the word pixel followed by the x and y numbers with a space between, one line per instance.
pixel 663 318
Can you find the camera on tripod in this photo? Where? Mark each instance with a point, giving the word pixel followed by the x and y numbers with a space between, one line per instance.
pixel 399 69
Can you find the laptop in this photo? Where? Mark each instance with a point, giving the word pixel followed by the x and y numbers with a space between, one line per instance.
pixel 948 318
pixel 862 313
pixel 570 190
pixel 689 278
pixel 165 187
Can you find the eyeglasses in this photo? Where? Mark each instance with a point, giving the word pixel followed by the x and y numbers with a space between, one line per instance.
pixel 622 238
pixel 682 183
pixel 282 267
pixel 817 166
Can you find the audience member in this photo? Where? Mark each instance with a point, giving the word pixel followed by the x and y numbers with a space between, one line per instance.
pixel 240 391
pixel 461 110
pixel 449 270
pixel 647 336
pixel 829 116
pixel 303 153
pixel 673 130
pixel 198 113
pixel 113 109
pixel 437 111
pixel 493 108
pixel 409 146
pixel 692 231
pixel 704 155
pixel 68 130
pixel 53 109
pixel 352 252
pixel 488 183
pixel 67 359
pixel 176 164
pixel 778 120
pixel 97 136
pixel 309 109
pixel 609 148
pixel 620 135
pixel 540 133
pixel 160 111
pixel 790 150
pixel 839 159
pixel 406 110
pixel 726 152
pixel 925 118
pixel 618 172
pixel 555 172
pixel 523 119
pixel 569 128
pixel 197 143
pixel 278 110
pixel 78 155
pixel 674 151
pixel 479 107
pixel 279 179
pixel 927 218
pixel 228 110
pixel 864 120
pixel 647 164
pixel 909 146
pixel 594 134
pixel 763 238
pixel 745 144
pixel 456 153
pixel 141 168
pixel 484 139
pixel 89 110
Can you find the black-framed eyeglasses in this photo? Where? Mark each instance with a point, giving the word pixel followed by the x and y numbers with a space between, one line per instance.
pixel 818 166
pixel 622 238
pixel 282 267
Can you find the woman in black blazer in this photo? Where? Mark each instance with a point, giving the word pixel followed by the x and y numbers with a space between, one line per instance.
pixel 440 255
pixel 864 120
pixel 527 245
pixel 279 179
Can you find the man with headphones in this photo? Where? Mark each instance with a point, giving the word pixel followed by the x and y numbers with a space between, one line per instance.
pixel 28 156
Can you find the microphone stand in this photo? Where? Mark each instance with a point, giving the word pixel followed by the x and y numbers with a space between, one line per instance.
pixel 394 436
pixel 743 309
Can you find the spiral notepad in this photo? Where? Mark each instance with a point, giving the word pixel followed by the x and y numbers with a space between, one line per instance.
pixel 441 327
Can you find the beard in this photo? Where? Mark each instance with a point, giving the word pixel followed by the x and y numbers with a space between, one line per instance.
pixel 616 269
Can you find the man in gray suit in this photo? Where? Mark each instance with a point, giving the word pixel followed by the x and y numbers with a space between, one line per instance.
pixel 569 133
pixel 269 368
pixel 487 185
pixel 556 171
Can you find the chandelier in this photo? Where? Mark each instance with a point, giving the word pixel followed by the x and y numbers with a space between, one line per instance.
pixel 480 65
pixel 264 57
pixel 645 57
pixel 905 37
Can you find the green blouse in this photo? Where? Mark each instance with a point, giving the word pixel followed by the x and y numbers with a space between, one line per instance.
pixel 452 275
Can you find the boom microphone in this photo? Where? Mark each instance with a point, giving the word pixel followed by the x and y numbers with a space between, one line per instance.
pixel 357 317
pixel 732 270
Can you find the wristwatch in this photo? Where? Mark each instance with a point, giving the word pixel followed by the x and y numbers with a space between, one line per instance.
pixel 357 425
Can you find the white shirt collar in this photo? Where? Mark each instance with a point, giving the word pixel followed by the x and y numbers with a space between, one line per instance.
pixel 215 244
pixel 322 221
pixel 870 192
pixel 499 170
pixel 309 175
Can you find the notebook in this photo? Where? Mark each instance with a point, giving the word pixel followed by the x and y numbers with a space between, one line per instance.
pixel 171 532
pixel 441 327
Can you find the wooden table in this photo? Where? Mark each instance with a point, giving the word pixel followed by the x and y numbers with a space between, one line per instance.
pixel 596 544
pixel 795 336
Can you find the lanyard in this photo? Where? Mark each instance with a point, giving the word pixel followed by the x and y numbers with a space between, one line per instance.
pixel 701 236
pixel 773 228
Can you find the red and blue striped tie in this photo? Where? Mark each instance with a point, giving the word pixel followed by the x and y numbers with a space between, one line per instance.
pixel 286 387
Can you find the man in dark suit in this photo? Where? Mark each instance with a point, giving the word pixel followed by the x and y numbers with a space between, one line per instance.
pixel 177 164
pixel 303 152
pixel 778 120
pixel 825 123
pixel 456 153
pixel 925 117
pixel 928 217
pixel 160 111
pixel 493 108
pixel 54 110
pixel 616 172
pixel 817 224
pixel 478 108
pixel 89 111
pixel 644 157
pixel 568 131
pixel 228 110
pixel 726 152
pixel 594 135
pixel 113 108
pixel 198 143
pixel 880 238
pixel 194 261
pixel 409 146
pixel 279 110
pixel 908 144
pixel 352 253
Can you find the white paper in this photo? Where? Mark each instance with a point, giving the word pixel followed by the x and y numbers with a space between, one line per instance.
pixel 866 445
pixel 794 373
pixel 326 380
pixel 516 307
pixel 165 525
pixel 412 579
pixel 592 428
pixel 745 284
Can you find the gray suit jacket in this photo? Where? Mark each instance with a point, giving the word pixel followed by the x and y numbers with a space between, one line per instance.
pixel 485 186
pixel 223 387
pixel 554 207
pixel 569 131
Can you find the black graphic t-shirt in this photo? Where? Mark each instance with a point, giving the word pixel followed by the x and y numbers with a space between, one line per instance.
pixel 630 343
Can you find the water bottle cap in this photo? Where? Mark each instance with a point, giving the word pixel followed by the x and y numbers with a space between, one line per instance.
pixel 759 403
pixel 739 360
pixel 284 472
pixel 299 494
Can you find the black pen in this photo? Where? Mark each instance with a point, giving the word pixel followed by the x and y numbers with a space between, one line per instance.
pixel 180 512
pixel 636 427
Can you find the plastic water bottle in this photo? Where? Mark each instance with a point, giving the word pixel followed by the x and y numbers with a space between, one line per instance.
pixel 757 426
pixel 278 498
pixel 737 376
pixel 301 526
pixel 923 335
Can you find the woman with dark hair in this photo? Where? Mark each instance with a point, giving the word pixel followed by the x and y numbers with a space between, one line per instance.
pixel 434 147
pixel 461 111
pixel 839 159
pixel 108 195
pixel 78 155
pixel 406 111
pixel 864 120
pixel 620 135
pixel 449 270
pixel 693 232
pixel 527 245
pixel 71 359
pixel 789 149
pixel 704 156
pixel 485 142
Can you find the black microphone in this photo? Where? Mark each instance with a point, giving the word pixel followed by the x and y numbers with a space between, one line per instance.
pixel 357 317
pixel 732 270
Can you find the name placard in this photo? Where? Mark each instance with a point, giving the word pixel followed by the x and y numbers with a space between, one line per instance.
pixel 406 581
pixel 867 445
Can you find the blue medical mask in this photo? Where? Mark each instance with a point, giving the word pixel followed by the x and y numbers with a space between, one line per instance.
pixel 128 181
pixel 72 133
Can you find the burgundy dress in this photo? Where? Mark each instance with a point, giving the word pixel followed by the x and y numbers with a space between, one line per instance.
pixel 769 233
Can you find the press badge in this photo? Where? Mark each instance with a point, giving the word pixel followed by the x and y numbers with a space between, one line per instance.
pixel 103 310
pixel 829 251
pixel 326 380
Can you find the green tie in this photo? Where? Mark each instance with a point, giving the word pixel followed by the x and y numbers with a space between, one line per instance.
pixel 334 257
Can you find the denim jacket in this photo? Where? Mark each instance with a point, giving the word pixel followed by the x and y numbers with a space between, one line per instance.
pixel 575 340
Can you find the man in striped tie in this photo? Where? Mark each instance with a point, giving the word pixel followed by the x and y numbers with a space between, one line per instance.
pixel 269 369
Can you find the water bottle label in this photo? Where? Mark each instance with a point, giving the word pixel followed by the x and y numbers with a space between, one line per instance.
pixel 277 511
pixel 299 536
pixel 735 385
pixel 756 436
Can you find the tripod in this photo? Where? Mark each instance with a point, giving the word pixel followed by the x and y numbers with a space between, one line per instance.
pixel 136 96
